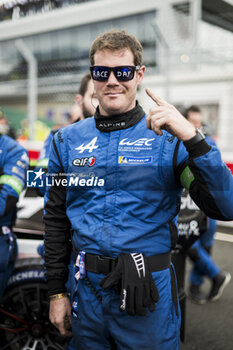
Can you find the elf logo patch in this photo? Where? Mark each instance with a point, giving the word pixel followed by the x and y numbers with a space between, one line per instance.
pixel 80 162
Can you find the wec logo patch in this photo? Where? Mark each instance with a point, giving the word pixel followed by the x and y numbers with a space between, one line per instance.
pixel 139 143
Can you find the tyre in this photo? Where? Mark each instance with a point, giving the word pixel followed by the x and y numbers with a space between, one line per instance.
pixel 24 320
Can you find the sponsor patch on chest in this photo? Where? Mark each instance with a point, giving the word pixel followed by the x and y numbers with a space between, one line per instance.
pixel 134 160
pixel 81 162
pixel 135 145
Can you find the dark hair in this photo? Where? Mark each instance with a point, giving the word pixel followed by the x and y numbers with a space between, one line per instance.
pixel 115 40
pixel 192 108
pixel 84 83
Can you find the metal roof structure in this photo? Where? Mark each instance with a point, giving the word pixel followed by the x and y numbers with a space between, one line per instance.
pixel 216 12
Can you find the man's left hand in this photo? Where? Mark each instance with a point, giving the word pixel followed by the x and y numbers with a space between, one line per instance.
pixel 166 116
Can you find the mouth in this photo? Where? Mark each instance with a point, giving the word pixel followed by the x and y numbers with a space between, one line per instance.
pixel 113 93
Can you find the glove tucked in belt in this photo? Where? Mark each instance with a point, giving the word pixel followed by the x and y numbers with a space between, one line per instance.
pixel 137 287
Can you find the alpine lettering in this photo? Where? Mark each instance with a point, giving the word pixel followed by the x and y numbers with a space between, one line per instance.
pixel 109 125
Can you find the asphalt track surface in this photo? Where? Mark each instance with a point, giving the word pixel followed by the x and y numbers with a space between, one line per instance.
pixel 210 326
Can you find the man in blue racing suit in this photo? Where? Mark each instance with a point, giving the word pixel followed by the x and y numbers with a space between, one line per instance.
pixel 13 166
pixel 117 181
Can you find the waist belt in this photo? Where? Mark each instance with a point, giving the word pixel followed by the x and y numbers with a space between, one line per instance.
pixel 104 264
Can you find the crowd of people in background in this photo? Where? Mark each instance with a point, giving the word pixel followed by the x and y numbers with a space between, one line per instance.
pixel 13 9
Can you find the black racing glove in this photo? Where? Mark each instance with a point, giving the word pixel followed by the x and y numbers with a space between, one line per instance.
pixel 137 287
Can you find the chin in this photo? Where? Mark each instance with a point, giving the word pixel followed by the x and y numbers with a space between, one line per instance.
pixel 112 110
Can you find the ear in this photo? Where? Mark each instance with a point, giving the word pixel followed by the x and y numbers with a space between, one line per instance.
pixel 78 99
pixel 140 74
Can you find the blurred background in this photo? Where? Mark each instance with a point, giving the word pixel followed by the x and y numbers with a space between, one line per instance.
pixel 44 48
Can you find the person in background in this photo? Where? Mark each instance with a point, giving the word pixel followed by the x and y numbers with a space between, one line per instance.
pixel 130 170
pixel 84 107
pixel 85 101
pixel 200 252
pixel 5 128
pixel 13 164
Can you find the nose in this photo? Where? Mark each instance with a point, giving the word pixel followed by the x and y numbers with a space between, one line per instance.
pixel 112 80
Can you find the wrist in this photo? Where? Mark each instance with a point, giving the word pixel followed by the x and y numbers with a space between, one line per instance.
pixel 57 296
pixel 199 136
pixel 189 134
pixel 55 286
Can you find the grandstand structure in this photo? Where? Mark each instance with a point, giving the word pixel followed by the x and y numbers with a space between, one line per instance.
pixel 188 53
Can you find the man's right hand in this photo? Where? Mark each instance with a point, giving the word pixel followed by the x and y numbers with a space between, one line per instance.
pixel 60 315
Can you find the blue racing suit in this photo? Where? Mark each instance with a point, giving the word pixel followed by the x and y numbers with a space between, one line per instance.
pixel 44 154
pixel 13 166
pixel 123 190
pixel 203 264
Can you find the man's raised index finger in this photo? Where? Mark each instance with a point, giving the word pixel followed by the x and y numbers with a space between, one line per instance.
pixel 156 99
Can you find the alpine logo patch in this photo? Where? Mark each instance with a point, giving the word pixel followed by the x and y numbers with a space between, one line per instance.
pixel 90 146
pixel 81 162
pixel 134 160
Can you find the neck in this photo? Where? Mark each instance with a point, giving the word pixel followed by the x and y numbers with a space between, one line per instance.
pixel 119 121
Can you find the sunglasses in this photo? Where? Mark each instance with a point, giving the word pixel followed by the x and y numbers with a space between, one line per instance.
pixel 122 73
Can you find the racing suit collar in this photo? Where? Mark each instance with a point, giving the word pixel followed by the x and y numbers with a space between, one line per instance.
pixel 118 122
